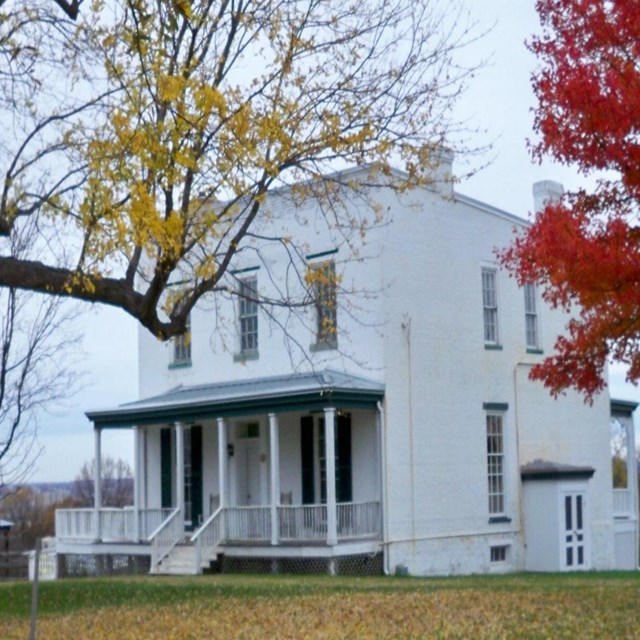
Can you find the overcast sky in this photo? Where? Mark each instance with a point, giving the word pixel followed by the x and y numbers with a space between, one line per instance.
pixel 497 103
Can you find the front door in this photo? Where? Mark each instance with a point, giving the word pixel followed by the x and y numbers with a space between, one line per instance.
pixel 248 471
pixel 193 477
pixel 192 473
pixel 574 547
pixel 314 473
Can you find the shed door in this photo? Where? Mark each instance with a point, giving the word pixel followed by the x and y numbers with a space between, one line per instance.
pixel 574 547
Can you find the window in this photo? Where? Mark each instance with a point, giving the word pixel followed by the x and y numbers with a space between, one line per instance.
pixel 182 346
pixel 495 464
pixel 248 430
pixel 499 553
pixel 248 315
pixel 531 316
pixel 490 306
pixel 323 282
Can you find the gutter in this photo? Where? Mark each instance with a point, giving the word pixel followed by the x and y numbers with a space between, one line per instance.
pixel 382 439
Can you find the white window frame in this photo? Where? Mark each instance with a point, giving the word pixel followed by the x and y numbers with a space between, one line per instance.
pixel 498 553
pixel 248 326
pixel 182 345
pixel 496 463
pixel 531 318
pixel 491 327
pixel 326 303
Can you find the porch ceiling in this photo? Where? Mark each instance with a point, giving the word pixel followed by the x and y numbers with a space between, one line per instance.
pixel 294 392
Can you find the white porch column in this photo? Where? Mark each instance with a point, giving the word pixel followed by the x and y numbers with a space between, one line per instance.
pixel 179 428
pixel 330 458
pixel 632 468
pixel 274 456
pixel 222 473
pixel 137 432
pixel 222 462
pixel 97 485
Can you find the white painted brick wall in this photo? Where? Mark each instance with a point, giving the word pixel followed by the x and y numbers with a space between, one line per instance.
pixel 420 331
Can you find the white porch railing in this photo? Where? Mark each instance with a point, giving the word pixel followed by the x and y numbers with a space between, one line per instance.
pixel 358 520
pixel 207 538
pixel 623 503
pixel 151 519
pixel 75 524
pixel 302 523
pixel 299 523
pixel 248 524
pixel 116 525
pixel 165 538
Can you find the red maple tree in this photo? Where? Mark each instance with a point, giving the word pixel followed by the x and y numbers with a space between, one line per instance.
pixel 585 249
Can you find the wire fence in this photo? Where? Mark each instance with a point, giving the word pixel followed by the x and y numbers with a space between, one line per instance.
pixel 84 565
pixel 352 565
pixel 75 565
pixel 14 565
pixel 52 565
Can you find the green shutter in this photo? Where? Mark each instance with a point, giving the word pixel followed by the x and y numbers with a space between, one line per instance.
pixel 306 456
pixel 196 475
pixel 166 467
pixel 344 491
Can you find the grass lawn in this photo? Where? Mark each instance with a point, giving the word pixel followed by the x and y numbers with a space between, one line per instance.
pixel 591 605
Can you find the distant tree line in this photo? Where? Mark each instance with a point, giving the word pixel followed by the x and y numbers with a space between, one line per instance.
pixel 33 516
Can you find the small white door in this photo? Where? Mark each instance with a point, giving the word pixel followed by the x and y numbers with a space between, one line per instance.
pixel 574 540
pixel 248 472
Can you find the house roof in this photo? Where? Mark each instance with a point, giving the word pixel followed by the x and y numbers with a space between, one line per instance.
pixel 5 524
pixel 547 470
pixel 310 391
pixel 622 407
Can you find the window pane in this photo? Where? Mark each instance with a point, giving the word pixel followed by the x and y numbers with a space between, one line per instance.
pixel 578 512
pixel 531 315
pixel 495 464
pixel 248 314
pixel 182 345
pixel 490 305
pixel 324 289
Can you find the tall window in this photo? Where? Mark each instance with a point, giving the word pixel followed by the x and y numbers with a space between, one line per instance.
pixel 182 345
pixel 323 278
pixel 495 464
pixel 248 315
pixel 490 306
pixel 531 316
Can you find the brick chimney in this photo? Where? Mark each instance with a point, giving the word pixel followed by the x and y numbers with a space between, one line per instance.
pixel 442 171
pixel 546 191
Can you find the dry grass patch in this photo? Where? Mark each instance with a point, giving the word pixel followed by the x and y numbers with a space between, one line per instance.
pixel 256 608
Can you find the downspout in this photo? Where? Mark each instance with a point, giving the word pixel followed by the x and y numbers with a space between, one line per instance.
pixel 516 425
pixel 382 443
pixel 406 326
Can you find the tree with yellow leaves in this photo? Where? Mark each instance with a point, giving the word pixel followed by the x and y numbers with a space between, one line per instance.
pixel 147 146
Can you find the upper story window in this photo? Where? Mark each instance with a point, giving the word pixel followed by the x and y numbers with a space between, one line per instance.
pixel 248 315
pixel 182 346
pixel 324 287
pixel 495 464
pixel 531 317
pixel 490 306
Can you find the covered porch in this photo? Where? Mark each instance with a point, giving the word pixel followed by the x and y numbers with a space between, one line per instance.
pixel 274 467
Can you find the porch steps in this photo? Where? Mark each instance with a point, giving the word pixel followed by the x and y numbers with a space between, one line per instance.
pixel 180 561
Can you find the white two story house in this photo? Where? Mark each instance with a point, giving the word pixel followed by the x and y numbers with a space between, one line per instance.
pixel 386 425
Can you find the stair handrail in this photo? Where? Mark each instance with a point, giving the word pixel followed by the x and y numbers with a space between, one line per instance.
pixel 210 534
pixel 161 544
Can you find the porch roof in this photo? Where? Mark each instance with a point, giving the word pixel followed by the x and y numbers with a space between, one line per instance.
pixel 312 391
